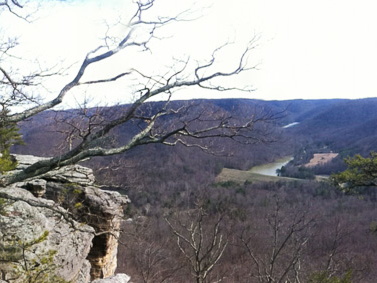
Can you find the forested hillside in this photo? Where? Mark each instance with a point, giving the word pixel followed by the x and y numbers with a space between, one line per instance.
pixel 301 230
pixel 344 126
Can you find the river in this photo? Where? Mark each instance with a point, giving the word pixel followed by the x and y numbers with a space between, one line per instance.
pixel 269 169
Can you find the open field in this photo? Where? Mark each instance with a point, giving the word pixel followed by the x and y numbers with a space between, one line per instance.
pixel 321 158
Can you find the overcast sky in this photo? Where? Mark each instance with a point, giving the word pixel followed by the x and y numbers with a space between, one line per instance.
pixel 306 49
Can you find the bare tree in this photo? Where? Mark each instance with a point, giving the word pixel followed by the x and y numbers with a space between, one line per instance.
pixel 146 252
pixel 13 6
pixel 201 242
pixel 189 129
pixel 288 236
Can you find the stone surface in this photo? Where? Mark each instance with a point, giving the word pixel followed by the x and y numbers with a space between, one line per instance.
pixel 72 174
pixel 102 210
pixel 119 278
pixel 84 274
pixel 23 223
pixel 26 160
pixel 80 256
pixel 109 214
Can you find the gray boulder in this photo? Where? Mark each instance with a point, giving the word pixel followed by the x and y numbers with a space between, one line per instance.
pixel 72 174
pixel 47 214
pixel 102 210
pixel 119 278
pixel 30 231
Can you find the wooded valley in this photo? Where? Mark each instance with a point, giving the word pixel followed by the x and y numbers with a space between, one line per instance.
pixel 185 226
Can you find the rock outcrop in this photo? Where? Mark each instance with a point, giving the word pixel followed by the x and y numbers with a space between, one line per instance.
pixel 80 220
pixel 119 278
pixel 23 223
pixel 102 210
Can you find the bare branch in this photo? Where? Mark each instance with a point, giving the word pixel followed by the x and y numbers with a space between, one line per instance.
pixel 106 80
pixel 56 209
pixel 201 243
pixel 86 134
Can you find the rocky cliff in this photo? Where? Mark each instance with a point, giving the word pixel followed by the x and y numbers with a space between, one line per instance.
pixel 60 226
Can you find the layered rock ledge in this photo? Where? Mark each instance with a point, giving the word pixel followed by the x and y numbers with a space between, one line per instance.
pixel 81 220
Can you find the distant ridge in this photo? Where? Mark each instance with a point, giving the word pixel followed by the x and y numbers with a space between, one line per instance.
pixel 345 126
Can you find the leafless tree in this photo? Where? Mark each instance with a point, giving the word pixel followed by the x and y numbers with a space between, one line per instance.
pixel 13 6
pixel 287 238
pixel 201 242
pixel 188 129
pixel 331 246
pixel 146 252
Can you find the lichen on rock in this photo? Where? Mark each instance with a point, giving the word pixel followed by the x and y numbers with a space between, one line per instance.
pixel 80 222
pixel 23 223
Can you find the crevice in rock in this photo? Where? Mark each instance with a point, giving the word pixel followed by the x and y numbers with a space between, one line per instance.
pixel 102 210
pixel 72 189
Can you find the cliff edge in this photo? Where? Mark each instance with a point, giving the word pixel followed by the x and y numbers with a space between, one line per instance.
pixel 59 227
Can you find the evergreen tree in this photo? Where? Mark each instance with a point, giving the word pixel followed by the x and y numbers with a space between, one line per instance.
pixel 361 172
pixel 9 136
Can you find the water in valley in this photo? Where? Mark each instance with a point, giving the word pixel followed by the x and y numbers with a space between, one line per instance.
pixel 269 169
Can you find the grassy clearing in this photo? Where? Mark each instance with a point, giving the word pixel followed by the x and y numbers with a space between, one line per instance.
pixel 240 176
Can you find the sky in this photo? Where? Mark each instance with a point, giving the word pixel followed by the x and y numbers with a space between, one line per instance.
pixel 304 49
